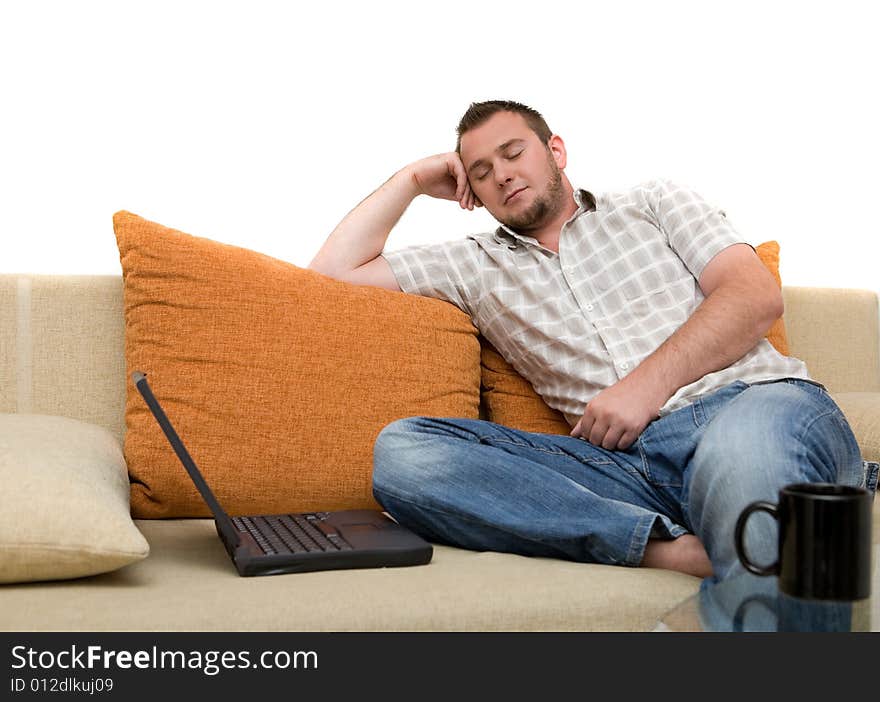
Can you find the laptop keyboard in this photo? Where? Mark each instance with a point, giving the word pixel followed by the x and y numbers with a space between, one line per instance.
pixel 292 533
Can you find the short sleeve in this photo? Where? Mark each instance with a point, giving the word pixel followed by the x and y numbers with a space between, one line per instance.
pixel 448 271
pixel 696 230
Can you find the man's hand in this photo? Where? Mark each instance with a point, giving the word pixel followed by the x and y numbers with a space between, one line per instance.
pixel 352 251
pixel 443 176
pixel 617 416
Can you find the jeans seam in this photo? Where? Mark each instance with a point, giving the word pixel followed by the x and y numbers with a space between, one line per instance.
pixel 478 522
pixel 829 413
pixel 800 439
pixel 870 469
pixel 821 392
pixel 647 475
pixel 698 411
pixel 834 412
pixel 644 460
pixel 798 382
pixel 522 444
pixel 641 536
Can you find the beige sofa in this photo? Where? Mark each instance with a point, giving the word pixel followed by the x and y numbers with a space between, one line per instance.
pixel 61 353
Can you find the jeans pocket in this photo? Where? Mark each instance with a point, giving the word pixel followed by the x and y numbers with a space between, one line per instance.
pixel 658 471
pixel 818 392
pixel 706 407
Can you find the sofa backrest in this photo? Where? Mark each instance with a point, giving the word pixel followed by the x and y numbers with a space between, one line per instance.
pixel 835 332
pixel 62 348
pixel 62 341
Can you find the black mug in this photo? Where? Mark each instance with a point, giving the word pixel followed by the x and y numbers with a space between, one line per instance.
pixel 824 541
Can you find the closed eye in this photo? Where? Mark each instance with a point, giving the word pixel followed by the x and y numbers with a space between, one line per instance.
pixel 509 157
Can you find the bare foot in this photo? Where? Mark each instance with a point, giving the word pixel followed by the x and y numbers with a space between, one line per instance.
pixel 684 554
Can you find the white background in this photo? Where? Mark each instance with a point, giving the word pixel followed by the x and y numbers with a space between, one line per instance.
pixel 262 124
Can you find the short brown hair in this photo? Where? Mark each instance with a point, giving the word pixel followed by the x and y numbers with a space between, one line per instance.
pixel 479 112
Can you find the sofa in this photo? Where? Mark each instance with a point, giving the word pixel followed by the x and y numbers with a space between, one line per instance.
pixel 66 351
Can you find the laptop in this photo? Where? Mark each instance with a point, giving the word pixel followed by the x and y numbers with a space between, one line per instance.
pixel 270 544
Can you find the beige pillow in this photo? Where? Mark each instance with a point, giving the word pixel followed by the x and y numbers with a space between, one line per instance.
pixel 64 495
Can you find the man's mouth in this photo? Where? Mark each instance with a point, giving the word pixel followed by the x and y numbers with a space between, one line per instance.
pixel 512 195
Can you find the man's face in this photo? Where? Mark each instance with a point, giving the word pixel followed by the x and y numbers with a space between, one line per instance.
pixel 514 175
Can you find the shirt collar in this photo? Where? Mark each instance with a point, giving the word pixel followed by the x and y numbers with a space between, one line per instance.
pixel 585 200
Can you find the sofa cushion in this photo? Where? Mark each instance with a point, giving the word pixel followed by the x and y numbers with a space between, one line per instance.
pixel 278 379
pixel 509 399
pixel 189 584
pixel 64 494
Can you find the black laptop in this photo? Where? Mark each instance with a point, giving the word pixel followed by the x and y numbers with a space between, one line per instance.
pixel 296 543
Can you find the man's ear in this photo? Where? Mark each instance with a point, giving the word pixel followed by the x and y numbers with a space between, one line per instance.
pixel 557 150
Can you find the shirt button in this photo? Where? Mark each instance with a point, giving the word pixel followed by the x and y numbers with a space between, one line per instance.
pixel 589 308
pixel 624 366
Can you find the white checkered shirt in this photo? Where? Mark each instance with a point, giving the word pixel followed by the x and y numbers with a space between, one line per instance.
pixel 576 322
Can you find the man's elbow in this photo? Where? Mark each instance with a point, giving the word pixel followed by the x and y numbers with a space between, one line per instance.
pixel 325 269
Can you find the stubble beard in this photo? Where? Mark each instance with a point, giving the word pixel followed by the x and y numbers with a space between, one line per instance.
pixel 544 207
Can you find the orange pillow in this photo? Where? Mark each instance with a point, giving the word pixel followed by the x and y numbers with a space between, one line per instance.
pixel 768 252
pixel 277 378
pixel 509 399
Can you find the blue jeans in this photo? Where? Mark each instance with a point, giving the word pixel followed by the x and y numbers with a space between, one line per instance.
pixel 479 485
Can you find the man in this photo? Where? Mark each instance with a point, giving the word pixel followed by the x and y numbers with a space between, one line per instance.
pixel 640 316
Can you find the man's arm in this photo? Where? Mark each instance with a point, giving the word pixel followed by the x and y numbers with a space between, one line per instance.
pixel 351 252
pixel 742 302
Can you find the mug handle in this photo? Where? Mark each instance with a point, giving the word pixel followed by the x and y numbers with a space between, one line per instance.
pixel 773 511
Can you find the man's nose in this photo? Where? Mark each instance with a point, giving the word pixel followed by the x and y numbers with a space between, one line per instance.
pixel 502 176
